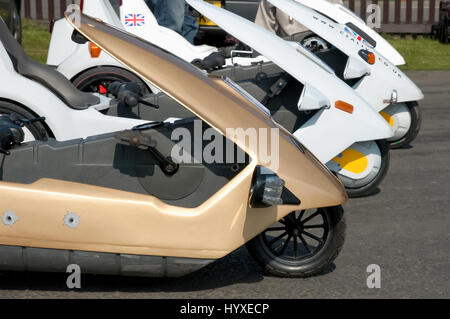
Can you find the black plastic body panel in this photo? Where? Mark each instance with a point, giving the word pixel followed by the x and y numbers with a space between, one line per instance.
pixel 107 162
pixel 15 258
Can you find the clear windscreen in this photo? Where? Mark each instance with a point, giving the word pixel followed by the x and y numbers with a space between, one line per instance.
pixel 247 95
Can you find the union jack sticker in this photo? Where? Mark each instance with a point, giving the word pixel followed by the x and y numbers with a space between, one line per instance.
pixel 134 20
pixel 358 37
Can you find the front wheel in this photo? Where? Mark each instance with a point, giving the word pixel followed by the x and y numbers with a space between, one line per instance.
pixel 303 244
pixel 362 167
pixel 406 120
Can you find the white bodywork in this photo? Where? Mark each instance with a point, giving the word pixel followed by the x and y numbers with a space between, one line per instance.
pixel 64 122
pixel 168 39
pixel 72 58
pixel 343 15
pixel 383 75
pixel 331 130
pixel 160 36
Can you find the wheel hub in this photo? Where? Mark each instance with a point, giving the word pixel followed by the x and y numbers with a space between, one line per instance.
pixel 358 165
pixel 297 238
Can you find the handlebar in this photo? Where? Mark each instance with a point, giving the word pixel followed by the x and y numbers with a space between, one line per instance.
pixel 129 94
pixel 11 132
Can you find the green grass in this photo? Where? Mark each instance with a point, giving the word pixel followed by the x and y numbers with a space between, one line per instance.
pixel 35 39
pixel 422 53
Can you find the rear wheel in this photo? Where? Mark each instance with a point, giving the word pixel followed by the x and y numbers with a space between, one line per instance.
pixel 303 244
pixel 35 131
pixel 406 120
pixel 97 80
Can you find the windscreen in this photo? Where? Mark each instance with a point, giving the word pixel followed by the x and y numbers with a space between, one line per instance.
pixel 246 95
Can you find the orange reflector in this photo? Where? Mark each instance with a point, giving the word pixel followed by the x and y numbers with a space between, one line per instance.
pixel 341 105
pixel 94 50
pixel 371 58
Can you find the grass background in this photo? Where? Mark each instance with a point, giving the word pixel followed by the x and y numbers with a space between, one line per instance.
pixel 35 39
pixel 421 53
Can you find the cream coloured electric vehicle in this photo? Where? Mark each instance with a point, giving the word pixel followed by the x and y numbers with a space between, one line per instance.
pixel 362 167
pixel 119 204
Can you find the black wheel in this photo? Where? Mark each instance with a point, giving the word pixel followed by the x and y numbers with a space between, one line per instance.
pixel 97 80
pixel 416 122
pixel 37 130
pixel 373 184
pixel 303 244
pixel 15 23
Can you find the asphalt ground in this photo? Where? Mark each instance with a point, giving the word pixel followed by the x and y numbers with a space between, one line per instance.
pixel 404 228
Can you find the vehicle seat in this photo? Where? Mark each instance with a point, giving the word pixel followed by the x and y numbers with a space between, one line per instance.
pixel 43 74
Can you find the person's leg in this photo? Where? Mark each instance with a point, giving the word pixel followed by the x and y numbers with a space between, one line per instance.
pixel 266 16
pixel 151 4
pixel 170 13
pixel 190 26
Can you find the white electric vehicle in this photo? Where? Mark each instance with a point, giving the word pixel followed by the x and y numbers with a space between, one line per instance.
pixel 396 96
pixel 344 16
pixel 32 90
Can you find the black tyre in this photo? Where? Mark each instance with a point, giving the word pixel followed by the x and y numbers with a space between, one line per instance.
pixel 372 186
pixel 303 244
pixel 38 130
pixel 96 80
pixel 416 122
pixel 15 23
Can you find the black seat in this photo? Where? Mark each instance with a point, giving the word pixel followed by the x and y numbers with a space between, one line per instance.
pixel 43 74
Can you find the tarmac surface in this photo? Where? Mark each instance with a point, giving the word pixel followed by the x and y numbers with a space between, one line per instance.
pixel 404 229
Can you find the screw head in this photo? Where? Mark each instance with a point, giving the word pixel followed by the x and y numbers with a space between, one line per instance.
pixel 9 218
pixel 71 220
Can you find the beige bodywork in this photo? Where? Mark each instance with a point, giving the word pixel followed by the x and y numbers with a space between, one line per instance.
pixel 123 222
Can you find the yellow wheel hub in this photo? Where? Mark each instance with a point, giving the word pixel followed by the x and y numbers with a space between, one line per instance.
pixel 352 161
pixel 388 118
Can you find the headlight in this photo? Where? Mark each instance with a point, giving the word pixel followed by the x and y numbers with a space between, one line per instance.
pixel 269 190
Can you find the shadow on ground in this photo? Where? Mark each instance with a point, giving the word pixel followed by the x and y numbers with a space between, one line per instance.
pixel 235 268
